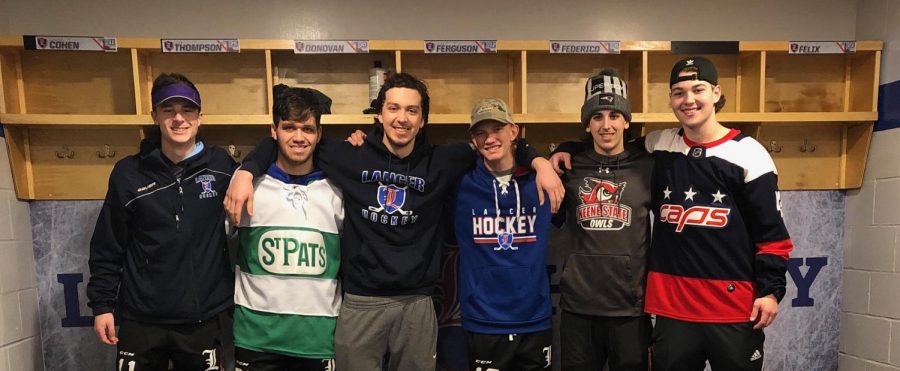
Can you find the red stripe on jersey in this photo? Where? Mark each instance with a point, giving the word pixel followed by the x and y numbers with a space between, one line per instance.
pixel 493 240
pixel 731 134
pixel 698 299
pixel 781 248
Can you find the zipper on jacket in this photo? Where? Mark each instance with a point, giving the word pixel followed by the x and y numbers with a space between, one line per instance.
pixel 180 206
pixel 193 287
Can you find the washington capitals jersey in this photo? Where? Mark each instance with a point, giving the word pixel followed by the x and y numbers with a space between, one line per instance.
pixel 719 240
pixel 502 232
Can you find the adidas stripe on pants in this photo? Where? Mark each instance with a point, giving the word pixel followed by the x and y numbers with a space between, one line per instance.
pixel 686 346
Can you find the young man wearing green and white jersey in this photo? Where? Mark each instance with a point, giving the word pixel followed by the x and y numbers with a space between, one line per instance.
pixel 287 293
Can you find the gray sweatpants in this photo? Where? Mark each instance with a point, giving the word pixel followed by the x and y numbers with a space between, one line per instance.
pixel 405 327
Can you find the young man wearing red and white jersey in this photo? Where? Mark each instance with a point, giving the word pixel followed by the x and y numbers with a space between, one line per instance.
pixel 717 264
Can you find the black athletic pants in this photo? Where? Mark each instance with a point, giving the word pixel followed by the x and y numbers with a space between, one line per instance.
pixel 588 342
pixel 191 347
pixel 513 352
pixel 250 360
pixel 680 345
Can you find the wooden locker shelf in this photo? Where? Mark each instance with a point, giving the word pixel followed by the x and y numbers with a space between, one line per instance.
pixel 85 101
pixel 457 81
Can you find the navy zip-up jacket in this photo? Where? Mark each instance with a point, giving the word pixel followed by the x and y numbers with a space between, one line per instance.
pixel 158 253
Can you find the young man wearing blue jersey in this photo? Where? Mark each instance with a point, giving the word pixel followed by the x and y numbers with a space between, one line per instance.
pixel 287 293
pixel 502 232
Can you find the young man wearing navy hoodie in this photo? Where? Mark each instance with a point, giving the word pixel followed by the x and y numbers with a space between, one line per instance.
pixel 502 231
pixel 159 266
pixel 395 189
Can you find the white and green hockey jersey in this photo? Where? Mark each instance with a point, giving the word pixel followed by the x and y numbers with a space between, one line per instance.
pixel 287 292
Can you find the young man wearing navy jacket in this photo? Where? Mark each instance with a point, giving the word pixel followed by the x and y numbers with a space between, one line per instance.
pixel 502 231
pixel 158 260
pixel 395 188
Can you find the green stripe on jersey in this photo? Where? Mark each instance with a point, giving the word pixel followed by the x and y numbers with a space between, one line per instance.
pixel 288 334
pixel 289 251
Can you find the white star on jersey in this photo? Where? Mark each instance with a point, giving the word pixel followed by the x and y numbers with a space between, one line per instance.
pixel 666 193
pixel 718 196
pixel 689 194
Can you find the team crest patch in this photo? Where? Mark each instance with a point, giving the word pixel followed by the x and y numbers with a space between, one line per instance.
pixel 391 199
pixel 601 207
pixel 206 183
pixel 505 241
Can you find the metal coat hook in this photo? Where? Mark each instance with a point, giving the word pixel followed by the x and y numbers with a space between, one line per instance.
pixel 233 151
pixel 66 153
pixel 774 146
pixel 807 146
pixel 106 153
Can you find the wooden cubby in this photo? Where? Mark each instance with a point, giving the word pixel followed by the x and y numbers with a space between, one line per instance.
pixel 344 76
pixel 69 162
pixel 83 103
pixel 556 82
pixel 231 83
pixel 457 81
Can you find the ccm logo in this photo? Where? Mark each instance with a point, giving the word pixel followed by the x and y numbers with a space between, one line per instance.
pixel 715 217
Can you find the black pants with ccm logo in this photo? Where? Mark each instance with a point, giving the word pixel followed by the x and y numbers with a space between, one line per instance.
pixel 686 346
pixel 514 352
pixel 190 347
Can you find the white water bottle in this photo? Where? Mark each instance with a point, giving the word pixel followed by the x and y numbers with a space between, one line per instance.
pixel 377 75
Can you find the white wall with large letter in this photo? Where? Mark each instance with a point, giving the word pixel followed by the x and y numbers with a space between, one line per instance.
pixel 870 318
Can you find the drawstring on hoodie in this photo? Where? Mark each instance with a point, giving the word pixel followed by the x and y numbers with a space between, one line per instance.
pixel 497 202
pixel 294 194
pixel 405 186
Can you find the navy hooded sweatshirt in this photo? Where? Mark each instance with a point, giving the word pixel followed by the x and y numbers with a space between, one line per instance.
pixel 502 232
